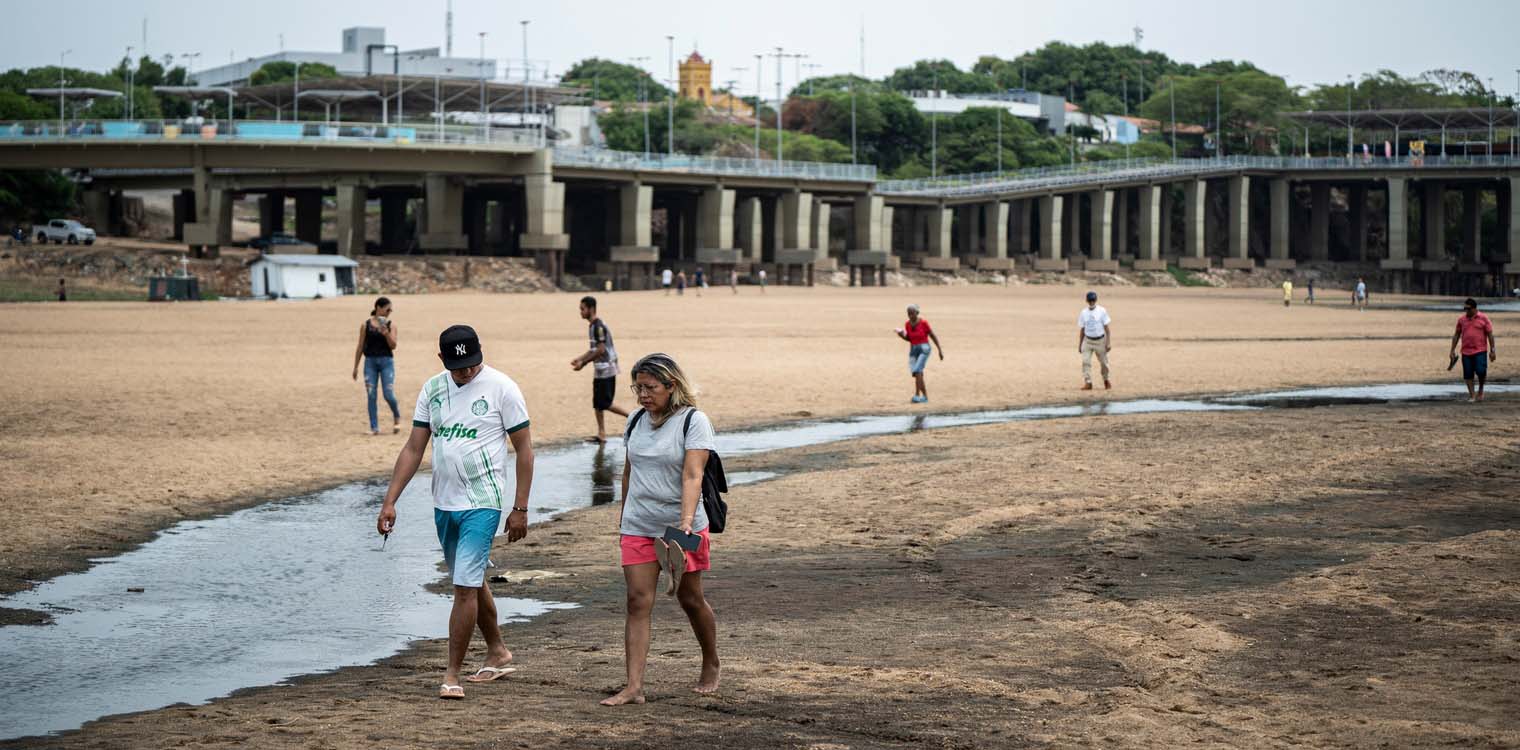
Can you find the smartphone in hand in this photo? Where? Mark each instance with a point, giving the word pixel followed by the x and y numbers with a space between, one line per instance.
pixel 688 542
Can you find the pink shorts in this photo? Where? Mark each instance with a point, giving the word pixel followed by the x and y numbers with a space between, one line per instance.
pixel 638 550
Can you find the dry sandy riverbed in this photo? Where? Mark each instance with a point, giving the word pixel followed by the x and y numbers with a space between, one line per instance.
pixel 910 623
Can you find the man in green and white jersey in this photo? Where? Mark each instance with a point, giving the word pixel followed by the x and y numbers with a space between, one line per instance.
pixel 469 412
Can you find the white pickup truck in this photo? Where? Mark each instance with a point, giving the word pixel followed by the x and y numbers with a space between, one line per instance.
pixel 64 230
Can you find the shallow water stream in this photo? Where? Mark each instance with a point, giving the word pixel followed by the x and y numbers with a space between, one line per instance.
pixel 301 585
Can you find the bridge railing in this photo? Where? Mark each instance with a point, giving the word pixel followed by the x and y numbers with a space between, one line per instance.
pixel 199 129
pixel 607 159
pixel 1098 172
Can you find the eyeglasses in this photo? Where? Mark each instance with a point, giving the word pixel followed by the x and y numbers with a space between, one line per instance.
pixel 640 389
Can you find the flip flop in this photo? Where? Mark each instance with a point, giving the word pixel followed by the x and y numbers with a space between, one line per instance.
pixel 451 692
pixel 491 673
pixel 675 562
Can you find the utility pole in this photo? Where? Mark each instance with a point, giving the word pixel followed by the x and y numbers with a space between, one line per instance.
pixel 1124 81
pixel 527 70
pixel 1218 123
pixel 448 30
pixel 670 109
pixel 1171 93
pixel 934 128
pixel 1000 141
pixel 484 126
pixel 643 98
pixel 296 115
pixel 1350 149
pixel 129 82
pixel 1071 132
pixel 61 55
pixel 811 67
pixel 758 89
pixel 780 55
pixel 729 84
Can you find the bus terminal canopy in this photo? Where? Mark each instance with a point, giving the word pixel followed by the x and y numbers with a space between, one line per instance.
pixel 73 93
pixel 1411 121
pixel 374 94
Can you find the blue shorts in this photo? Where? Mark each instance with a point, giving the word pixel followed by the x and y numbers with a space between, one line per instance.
pixel 918 358
pixel 1475 365
pixel 466 538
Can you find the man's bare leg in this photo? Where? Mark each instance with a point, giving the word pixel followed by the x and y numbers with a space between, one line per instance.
pixel 1471 394
pixel 461 627
pixel 705 625
pixel 489 623
pixel 601 427
pixel 641 581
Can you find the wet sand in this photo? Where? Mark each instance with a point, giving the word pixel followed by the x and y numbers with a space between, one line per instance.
pixel 1331 577
pixel 128 417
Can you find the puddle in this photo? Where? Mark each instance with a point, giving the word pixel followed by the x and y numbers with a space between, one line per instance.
pixel 301 586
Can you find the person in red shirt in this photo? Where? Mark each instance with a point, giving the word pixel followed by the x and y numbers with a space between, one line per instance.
pixel 1476 335
pixel 918 334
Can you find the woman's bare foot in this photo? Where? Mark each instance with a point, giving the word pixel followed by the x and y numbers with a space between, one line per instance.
pixel 625 697
pixel 708 682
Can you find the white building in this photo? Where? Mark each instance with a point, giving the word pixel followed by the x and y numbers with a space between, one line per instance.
pixel 1040 110
pixel 364 51
pixel 302 276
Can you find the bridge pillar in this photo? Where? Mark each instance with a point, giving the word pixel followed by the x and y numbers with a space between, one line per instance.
pixel 184 212
pixel 309 216
pixel 939 256
pixel 1472 226
pixel 1509 221
pixel 1279 224
pixel 1319 221
pixel 1357 199
pixel 1192 208
pixel 818 237
pixel 351 201
pixel 715 231
pixel 871 243
pixel 1167 247
pixel 795 252
pixel 1398 226
pixel 747 228
pixel 97 210
pixel 1121 247
pixel 1433 220
pixel 545 202
pixel 1238 215
pixel 445 216
pixel 635 256
pixel 969 240
pixel 1100 230
pixel 271 213
pixel 1149 219
pixel 213 227
pixel 1051 215
pixel 1018 226
pixel 1071 227
pixel 997 238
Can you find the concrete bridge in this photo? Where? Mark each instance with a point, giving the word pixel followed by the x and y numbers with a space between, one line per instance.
pixel 461 190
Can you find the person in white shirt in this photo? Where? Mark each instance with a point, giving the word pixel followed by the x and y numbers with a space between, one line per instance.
pixel 1093 337
pixel 1361 294
pixel 667 277
pixel 470 412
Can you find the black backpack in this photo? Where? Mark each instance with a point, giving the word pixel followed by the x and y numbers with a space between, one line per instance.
pixel 714 482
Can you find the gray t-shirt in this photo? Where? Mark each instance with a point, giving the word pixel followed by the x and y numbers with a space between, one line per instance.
pixel 656 457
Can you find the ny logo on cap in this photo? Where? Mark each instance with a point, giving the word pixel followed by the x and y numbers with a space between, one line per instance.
pixel 460 350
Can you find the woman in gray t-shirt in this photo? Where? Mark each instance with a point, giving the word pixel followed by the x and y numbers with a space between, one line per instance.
pixel 662 486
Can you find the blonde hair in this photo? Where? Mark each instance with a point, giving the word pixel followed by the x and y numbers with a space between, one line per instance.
pixel 664 369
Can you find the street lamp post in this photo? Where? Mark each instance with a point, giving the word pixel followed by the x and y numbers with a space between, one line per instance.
pixel 670 99
pixel 1000 141
pixel 1350 149
pixel 1218 121
pixel 759 91
pixel 1124 81
pixel 1171 93
pixel 485 126
pixel 853 148
pixel 296 115
pixel 129 82
pixel 934 127
pixel 528 99
pixel 61 55
pixel 1071 132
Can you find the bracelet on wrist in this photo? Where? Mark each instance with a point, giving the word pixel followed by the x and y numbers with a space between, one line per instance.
pixel 519 510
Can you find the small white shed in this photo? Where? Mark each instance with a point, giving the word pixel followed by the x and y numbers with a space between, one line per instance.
pixel 302 276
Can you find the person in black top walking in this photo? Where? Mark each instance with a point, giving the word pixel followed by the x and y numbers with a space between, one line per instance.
pixel 377 342
pixel 63 294
pixel 602 355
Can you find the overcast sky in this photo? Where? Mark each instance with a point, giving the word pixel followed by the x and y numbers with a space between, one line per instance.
pixel 1309 41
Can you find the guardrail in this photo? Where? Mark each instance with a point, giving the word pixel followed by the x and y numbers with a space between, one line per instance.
pixel 1098 172
pixel 606 159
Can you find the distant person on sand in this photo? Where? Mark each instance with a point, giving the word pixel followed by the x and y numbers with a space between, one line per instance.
pixel 1287 292
pixel 1310 298
pixel 733 279
pixel 918 334
pixel 1093 337
pixel 762 281
pixel 667 443
pixel 680 283
pixel 471 412
pixel 377 344
pixel 1359 297
pixel 666 277
pixel 1475 334
pixel 63 293
pixel 605 368
pixel 699 281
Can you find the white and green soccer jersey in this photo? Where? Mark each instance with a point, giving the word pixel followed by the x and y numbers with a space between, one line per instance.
pixel 470 426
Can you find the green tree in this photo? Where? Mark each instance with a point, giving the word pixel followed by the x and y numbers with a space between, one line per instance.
pixel 613 80
pixel 1249 102
pixel 924 75
pixel 280 71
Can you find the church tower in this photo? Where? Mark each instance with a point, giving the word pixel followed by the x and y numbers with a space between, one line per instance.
pixel 696 79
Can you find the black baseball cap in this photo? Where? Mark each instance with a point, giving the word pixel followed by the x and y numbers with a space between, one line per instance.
pixel 1092 296
pixel 460 347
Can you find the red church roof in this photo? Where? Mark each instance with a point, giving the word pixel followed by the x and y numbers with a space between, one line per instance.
pixel 695 57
